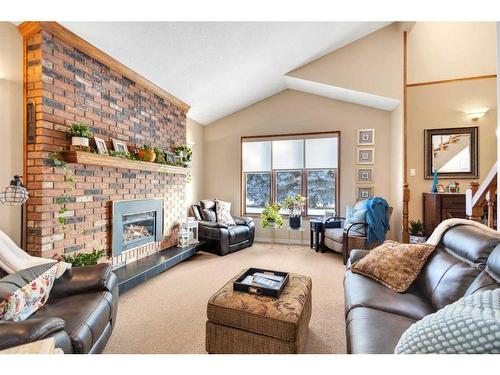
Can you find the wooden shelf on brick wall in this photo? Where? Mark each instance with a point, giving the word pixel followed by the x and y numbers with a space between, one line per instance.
pixel 90 158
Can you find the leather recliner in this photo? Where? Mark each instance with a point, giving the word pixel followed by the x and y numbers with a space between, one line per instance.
pixel 80 313
pixel 467 260
pixel 220 238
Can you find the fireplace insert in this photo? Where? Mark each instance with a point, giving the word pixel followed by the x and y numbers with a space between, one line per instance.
pixel 136 223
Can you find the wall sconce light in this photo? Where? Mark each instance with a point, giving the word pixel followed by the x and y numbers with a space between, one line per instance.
pixel 476 114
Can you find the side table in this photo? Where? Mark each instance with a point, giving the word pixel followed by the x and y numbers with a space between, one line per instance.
pixel 44 346
pixel 316 228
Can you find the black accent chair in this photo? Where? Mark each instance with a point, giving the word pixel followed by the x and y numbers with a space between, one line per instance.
pixel 220 238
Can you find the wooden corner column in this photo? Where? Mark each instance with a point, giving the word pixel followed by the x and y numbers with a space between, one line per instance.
pixel 406 189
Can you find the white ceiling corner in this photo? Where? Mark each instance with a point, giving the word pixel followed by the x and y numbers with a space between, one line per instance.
pixel 219 68
pixel 343 94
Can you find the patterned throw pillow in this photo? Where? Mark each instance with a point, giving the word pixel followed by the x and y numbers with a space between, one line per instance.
pixel 24 292
pixel 393 264
pixel 223 210
pixel 470 325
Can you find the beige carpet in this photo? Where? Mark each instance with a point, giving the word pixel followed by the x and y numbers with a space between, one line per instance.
pixel 168 313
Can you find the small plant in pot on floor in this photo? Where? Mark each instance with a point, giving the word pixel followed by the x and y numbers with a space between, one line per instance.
pixel 84 259
pixel 270 217
pixel 416 230
pixel 294 204
pixel 79 134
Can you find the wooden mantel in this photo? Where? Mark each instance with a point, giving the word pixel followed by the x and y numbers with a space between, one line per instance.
pixel 90 158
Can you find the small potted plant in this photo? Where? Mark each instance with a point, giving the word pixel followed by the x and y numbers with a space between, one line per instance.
pixel 294 205
pixel 270 217
pixel 84 259
pixel 416 230
pixel 146 153
pixel 80 134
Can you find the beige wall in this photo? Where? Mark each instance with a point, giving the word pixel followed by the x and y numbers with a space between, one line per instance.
pixel 294 112
pixel 11 95
pixel 443 106
pixel 373 64
pixel 446 50
pixel 194 136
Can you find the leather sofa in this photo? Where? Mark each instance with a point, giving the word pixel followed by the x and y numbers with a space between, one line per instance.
pixel 467 260
pixel 80 313
pixel 220 238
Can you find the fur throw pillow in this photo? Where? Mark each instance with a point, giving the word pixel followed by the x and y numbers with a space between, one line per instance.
pixel 393 264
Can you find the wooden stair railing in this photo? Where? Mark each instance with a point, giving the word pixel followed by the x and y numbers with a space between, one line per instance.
pixel 479 196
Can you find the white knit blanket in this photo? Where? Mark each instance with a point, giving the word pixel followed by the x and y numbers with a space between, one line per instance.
pixel 14 259
pixel 447 224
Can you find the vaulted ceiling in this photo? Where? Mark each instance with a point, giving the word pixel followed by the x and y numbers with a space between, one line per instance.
pixel 219 67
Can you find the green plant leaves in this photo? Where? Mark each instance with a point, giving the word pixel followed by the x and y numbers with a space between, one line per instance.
pixel 84 259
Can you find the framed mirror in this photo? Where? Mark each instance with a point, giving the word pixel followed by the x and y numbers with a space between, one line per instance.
pixel 453 152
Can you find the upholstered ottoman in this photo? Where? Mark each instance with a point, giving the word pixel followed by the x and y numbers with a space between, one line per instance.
pixel 245 323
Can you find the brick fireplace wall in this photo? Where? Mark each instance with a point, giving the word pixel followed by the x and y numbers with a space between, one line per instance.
pixel 66 86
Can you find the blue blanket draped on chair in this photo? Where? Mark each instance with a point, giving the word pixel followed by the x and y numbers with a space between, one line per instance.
pixel 377 219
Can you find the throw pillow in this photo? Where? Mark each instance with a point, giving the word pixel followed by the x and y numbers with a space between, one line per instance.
pixel 223 210
pixel 393 264
pixel 470 325
pixel 355 215
pixel 24 292
pixel 208 215
pixel 207 203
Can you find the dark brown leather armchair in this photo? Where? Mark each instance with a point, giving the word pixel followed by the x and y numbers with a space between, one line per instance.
pixel 220 238
pixel 80 313
pixel 467 260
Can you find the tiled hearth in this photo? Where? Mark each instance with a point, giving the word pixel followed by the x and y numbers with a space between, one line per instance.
pixel 66 85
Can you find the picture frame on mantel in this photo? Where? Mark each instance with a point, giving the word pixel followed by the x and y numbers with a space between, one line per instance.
pixel 101 146
pixel 119 146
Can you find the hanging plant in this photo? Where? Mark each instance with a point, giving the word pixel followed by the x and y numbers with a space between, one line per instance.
pixel 185 153
pixel 69 178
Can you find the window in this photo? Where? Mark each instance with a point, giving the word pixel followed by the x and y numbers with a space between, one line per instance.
pixel 276 167
pixel 258 191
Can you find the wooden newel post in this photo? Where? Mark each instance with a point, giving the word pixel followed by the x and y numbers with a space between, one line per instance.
pixel 473 212
pixel 406 199
pixel 490 199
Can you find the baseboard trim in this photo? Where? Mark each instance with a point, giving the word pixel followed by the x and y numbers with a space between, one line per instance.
pixel 281 241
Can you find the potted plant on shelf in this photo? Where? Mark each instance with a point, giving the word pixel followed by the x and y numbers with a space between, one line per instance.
pixel 79 134
pixel 270 217
pixel 160 156
pixel 416 230
pixel 146 153
pixel 294 205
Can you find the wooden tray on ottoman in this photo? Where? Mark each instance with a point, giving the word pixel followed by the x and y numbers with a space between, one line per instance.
pixel 260 290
